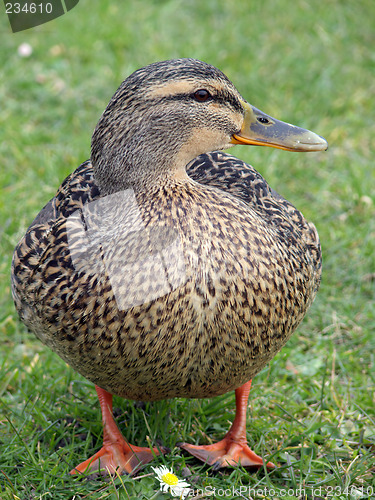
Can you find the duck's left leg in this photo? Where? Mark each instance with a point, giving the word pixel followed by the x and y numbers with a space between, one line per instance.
pixel 233 448
pixel 116 455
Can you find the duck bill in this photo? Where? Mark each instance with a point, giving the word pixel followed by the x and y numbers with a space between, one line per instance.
pixel 259 129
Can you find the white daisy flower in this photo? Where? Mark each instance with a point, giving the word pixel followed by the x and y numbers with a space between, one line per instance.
pixel 25 50
pixel 170 482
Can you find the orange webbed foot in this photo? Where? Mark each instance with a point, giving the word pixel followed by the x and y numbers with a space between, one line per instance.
pixel 233 449
pixel 116 456
pixel 226 453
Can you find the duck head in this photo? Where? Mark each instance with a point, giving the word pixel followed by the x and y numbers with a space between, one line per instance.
pixel 166 114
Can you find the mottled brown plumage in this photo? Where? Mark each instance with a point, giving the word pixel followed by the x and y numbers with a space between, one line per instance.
pixel 161 269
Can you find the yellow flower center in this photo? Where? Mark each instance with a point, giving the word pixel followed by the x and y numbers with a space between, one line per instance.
pixel 170 479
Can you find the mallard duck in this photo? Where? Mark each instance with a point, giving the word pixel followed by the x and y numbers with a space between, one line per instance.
pixel 164 267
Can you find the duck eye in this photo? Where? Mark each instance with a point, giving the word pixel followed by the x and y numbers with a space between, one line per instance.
pixel 201 95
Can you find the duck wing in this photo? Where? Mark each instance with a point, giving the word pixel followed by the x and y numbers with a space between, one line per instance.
pixel 231 175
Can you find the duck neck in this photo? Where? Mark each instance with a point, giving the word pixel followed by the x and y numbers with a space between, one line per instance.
pixel 139 176
pixel 138 164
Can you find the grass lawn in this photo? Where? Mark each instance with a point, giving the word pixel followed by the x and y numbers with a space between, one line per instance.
pixel 312 410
